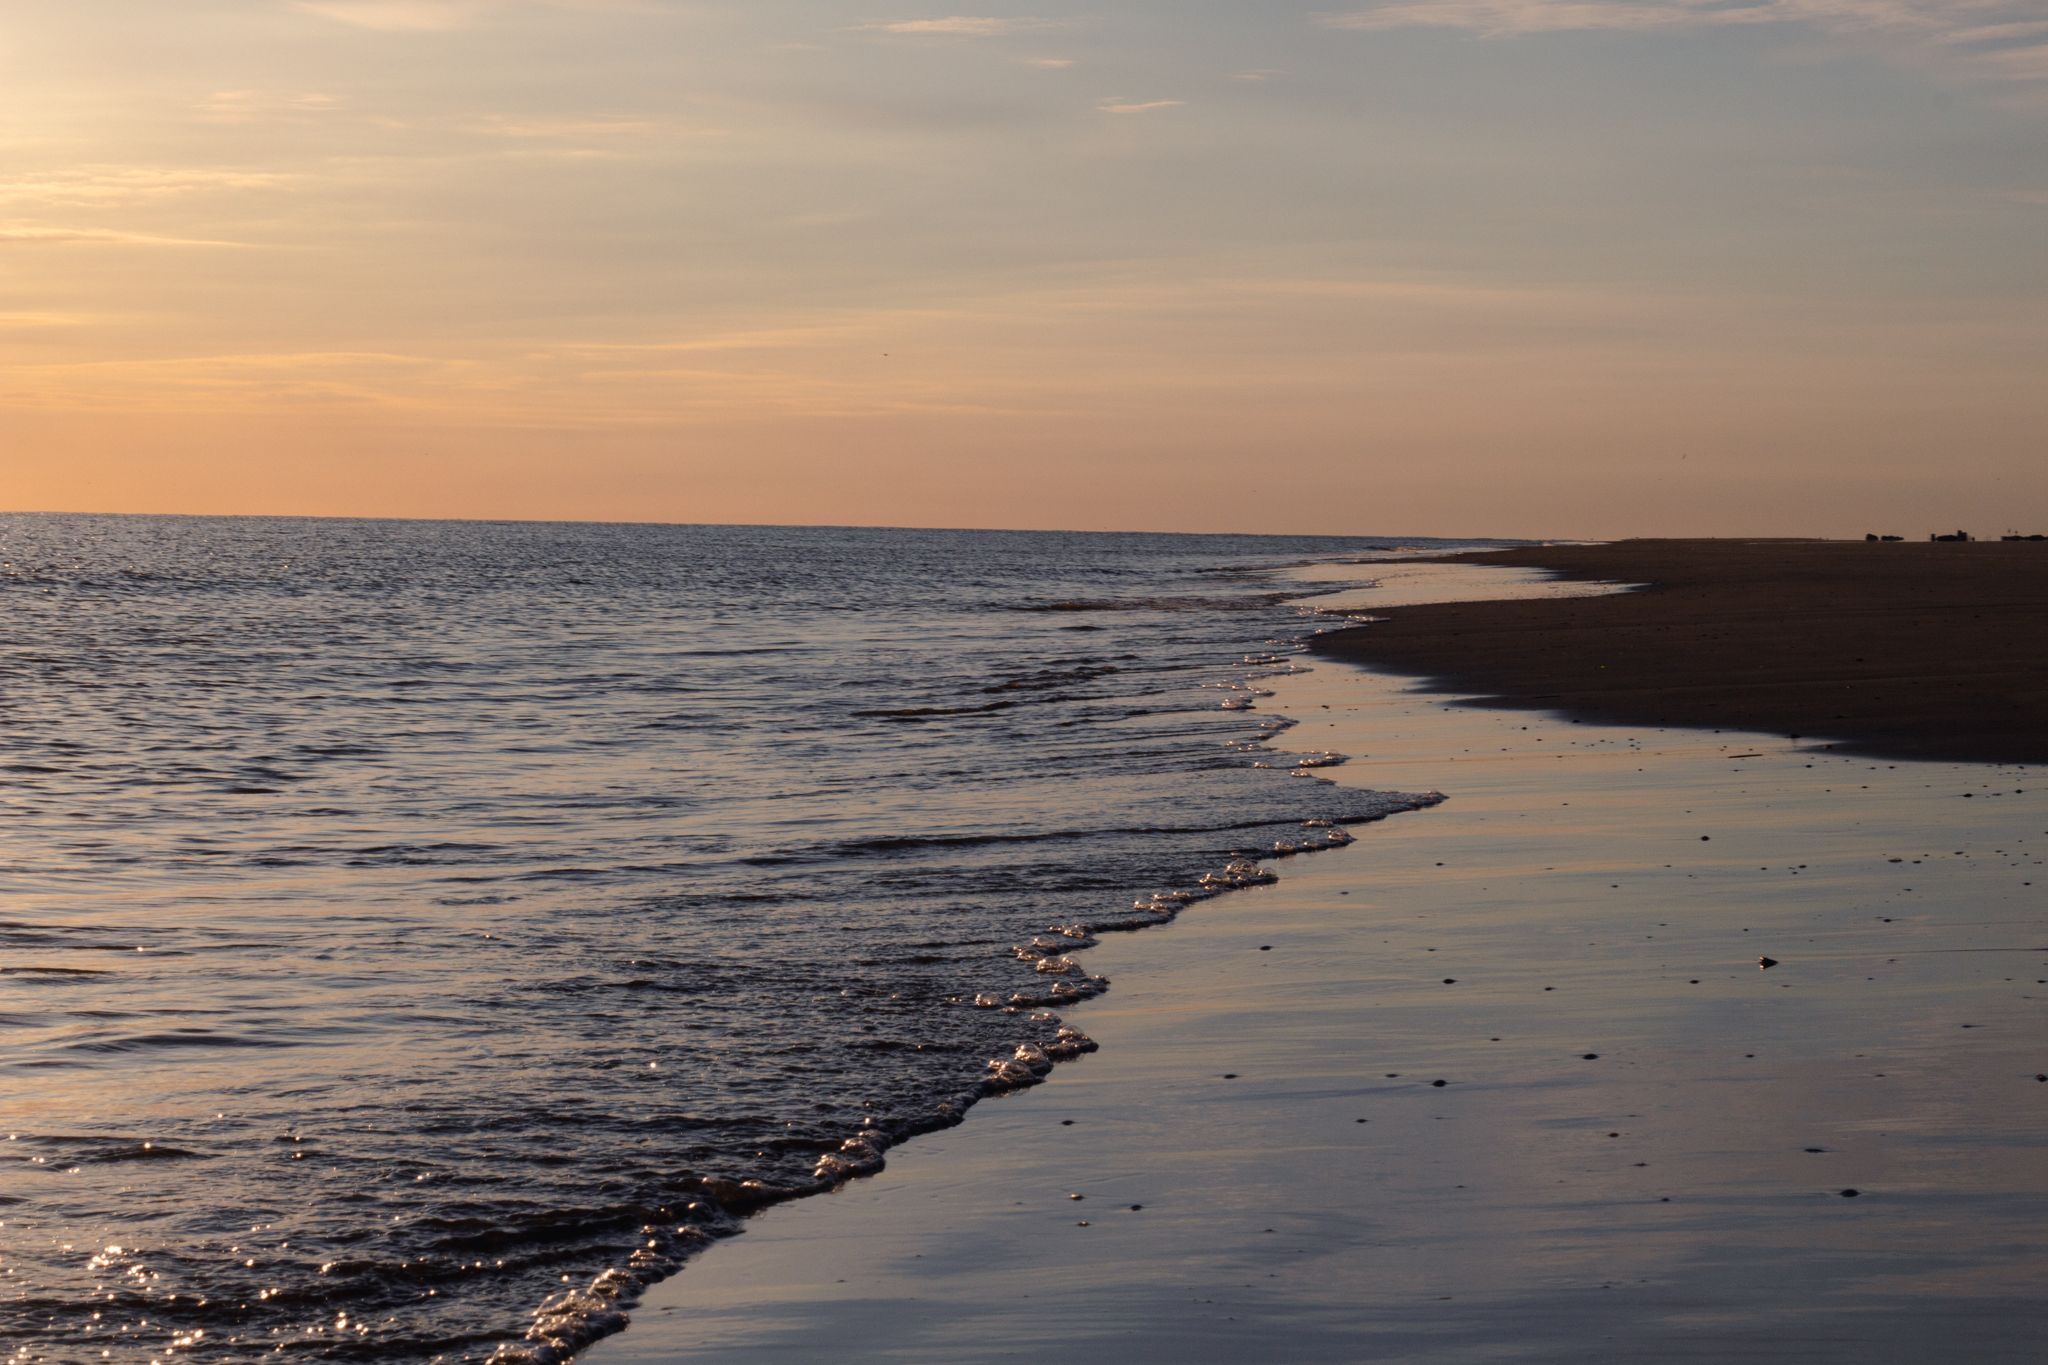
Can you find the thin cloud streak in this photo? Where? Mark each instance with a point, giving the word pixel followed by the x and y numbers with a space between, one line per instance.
pixel 1138 106
pixel 38 236
pixel 397 16
pixel 444 16
pixel 24 321
pixel 253 106
pixel 98 186
pixel 959 26
pixel 1998 32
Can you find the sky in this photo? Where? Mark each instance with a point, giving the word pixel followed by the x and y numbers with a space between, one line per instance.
pixel 1430 267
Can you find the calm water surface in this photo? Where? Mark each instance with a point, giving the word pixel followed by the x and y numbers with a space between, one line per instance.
pixel 416 937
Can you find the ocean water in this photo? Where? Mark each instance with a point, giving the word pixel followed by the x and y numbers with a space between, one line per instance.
pixel 417 937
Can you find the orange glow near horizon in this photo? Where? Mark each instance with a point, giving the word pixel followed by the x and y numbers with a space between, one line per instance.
pixel 622 259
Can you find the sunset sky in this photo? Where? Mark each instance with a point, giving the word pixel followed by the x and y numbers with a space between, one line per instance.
pixel 1516 267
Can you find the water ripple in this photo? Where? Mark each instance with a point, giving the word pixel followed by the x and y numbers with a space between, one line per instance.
pixel 408 927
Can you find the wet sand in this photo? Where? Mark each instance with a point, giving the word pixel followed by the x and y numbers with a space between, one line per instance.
pixel 1642 1140
pixel 1911 650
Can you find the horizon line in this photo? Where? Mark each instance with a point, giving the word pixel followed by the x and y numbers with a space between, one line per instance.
pixel 793 526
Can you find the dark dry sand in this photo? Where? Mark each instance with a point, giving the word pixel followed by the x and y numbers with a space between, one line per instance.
pixel 1915 650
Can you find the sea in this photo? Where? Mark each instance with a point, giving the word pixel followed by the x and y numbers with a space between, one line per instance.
pixel 418 937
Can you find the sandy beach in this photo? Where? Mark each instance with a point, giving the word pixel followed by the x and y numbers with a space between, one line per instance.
pixel 694 681
pixel 1915 650
pixel 1504 1080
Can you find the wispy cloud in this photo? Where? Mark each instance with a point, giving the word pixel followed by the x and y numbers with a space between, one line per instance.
pixel 27 321
pixel 1050 63
pixel 441 16
pixel 245 381
pixel 35 236
pixel 837 333
pixel 100 186
pixel 1116 106
pixel 2027 63
pixel 502 125
pixel 252 106
pixel 1500 18
pixel 959 26
pixel 397 16
pixel 1999 38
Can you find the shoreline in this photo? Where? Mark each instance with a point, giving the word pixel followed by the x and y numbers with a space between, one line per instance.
pixel 1910 650
pixel 1305 1193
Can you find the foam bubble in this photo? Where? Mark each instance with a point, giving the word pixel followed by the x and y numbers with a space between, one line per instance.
pixel 1238 873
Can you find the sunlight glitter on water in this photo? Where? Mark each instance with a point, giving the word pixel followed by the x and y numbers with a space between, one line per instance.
pixel 406 923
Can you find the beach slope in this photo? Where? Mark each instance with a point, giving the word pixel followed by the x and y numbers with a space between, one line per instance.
pixel 1916 650
pixel 1503 1081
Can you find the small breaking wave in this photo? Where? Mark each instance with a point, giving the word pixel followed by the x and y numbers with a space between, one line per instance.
pixel 575 1318
pixel 630 880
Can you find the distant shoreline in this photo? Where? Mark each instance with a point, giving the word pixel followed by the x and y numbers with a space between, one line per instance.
pixel 1909 650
